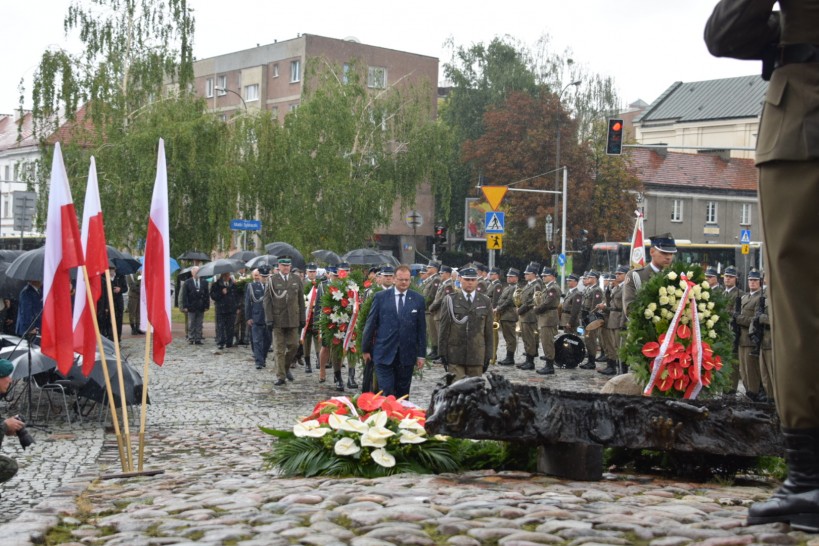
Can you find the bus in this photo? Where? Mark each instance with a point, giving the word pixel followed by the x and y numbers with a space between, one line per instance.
pixel 608 256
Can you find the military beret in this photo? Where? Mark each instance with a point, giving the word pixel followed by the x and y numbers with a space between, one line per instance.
pixel 513 272
pixel 730 271
pixel 664 243
pixel 6 367
pixel 710 272
pixel 469 273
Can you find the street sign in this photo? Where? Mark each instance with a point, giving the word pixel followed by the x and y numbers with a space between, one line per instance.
pixel 414 219
pixel 745 236
pixel 494 242
pixel 746 249
pixel 25 204
pixel 494 195
pixel 246 225
pixel 561 260
pixel 494 222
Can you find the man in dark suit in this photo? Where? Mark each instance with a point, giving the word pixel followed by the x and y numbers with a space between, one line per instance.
pixel 787 154
pixel 195 302
pixel 395 335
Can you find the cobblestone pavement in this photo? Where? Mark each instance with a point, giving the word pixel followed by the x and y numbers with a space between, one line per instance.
pixel 202 432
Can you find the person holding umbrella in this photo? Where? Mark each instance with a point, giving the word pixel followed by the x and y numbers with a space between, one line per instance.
pixel 30 308
pixel 226 296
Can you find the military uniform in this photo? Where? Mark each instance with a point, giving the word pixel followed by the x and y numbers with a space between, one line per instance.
pixel 763 322
pixel 260 337
pixel 312 336
pixel 748 363
pixel 547 321
pixel 508 316
pixel 787 153
pixel 431 285
pixel 284 310
pixel 134 290
pixel 465 339
pixel 528 323
pixel 572 307
pixel 592 297
pixel 634 281
pixel 732 296
pixel 612 329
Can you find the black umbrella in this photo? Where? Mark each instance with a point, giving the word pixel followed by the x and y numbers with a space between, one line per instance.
pixel 217 267
pixel 124 262
pixel 244 255
pixel 8 340
pixel 194 255
pixel 94 388
pixel 39 363
pixel 327 256
pixel 286 249
pixel 264 259
pixel 185 274
pixel 368 256
pixel 10 288
pixel 11 352
pixel 28 266
pixel 8 256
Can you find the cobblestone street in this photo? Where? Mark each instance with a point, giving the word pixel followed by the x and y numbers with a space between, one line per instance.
pixel 202 432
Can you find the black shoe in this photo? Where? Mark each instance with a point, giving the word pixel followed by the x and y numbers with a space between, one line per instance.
pixel 190 341
pixel 289 376
pixel 529 364
pixel 548 368
pixel 589 365
pixel 433 354
pixel 197 343
pixel 610 369
pixel 259 366
pixel 601 358
pixel 280 382
pixel 307 368
pixel 339 383
pixel 509 360
pixel 351 384
pixel 220 347
pixel 543 358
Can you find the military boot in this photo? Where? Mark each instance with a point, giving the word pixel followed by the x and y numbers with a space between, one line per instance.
pixel 548 368
pixel 610 369
pixel 588 365
pixel 797 501
pixel 307 368
pixel 351 378
pixel 509 360
pixel 529 364
pixel 338 382
pixel 433 354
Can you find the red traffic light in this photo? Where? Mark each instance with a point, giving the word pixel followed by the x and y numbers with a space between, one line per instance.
pixel 617 126
pixel 614 139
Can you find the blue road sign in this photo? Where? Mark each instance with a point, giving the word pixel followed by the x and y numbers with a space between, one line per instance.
pixel 246 225
pixel 561 259
pixel 745 236
pixel 495 222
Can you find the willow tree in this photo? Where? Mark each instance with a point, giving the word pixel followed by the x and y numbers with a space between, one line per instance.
pixel 331 174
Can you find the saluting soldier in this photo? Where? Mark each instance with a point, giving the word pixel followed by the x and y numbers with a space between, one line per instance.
pixel 593 300
pixel 285 314
pixel 508 316
pixel 431 284
pixel 547 319
pixel 732 293
pixel 465 338
pixel 749 363
pixel 572 305
pixel 527 317
pixel 663 248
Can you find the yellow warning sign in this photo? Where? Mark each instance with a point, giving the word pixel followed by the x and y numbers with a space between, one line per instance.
pixel 746 249
pixel 494 242
pixel 494 195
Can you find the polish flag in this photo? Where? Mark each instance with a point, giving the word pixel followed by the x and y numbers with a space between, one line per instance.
pixel 63 251
pixel 156 267
pixel 96 262
pixel 638 249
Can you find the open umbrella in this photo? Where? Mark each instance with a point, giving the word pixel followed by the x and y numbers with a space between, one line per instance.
pixel 368 256
pixel 9 288
pixel 172 263
pixel 94 388
pixel 327 256
pixel 39 363
pixel 244 255
pixel 286 249
pixel 194 255
pixel 28 266
pixel 217 267
pixel 8 340
pixel 124 262
pixel 264 259
pixel 186 273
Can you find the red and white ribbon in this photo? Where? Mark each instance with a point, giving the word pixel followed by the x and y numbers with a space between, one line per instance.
pixel 348 335
pixel 311 306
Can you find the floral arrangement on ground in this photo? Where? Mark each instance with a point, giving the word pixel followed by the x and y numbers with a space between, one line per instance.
pixel 679 340
pixel 367 435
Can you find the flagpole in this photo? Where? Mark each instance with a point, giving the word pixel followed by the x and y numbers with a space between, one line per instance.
pixel 144 407
pixel 123 401
pixel 106 375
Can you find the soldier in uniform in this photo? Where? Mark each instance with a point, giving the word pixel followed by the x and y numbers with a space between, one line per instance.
pixel 134 290
pixel 465 337
pixel 593 301
pixel 508 316
pixel 483 278
pixel 572 305
pixel 614 323
pixel 387 275
pixel 495 286
pixel 712 279
pixel 766 351
pixel 662 253
pixel 733 298
pixel 10 426
pixel 447 287
pixel 260 337
pixel 311 337
pixel 547 319
pixel 749 362
pixel 527 317
pixel 431 284
pixel 284 313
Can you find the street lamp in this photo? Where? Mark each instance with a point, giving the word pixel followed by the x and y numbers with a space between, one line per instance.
pixel 549 227
pixel 235 93
pixel 557 156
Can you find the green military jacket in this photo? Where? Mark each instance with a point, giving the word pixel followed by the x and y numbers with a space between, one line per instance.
pixel 431 285
pixel 546 312
pixel 746 316
pixel 572 305
pixel 465 336
pixel 506 304
pixel 284 301
pixel 614 310
pixel 526 311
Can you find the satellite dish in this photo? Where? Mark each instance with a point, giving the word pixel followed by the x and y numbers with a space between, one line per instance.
pixel 352 39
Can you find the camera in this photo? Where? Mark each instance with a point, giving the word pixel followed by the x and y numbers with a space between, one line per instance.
pixel 23 435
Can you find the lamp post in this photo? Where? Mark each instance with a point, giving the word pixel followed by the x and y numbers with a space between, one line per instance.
pixel 235 93
pixel 557 156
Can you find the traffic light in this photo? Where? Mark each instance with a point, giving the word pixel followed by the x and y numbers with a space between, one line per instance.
pixel 440 235
pixel 614 142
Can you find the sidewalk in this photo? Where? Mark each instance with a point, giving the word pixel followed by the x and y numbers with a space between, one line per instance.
pixel 202 431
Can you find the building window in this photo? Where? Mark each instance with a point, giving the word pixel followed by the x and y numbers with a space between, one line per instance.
pixel 345 74
pixel 8 172
pixel 6 208
pixel 209 88
pixel 276 70
pixel 677 210
pixel 223 117
pixel 293 107
pixel 711 212
pixel 377 77
pixel 295 71
pixel 221 86
pixel 745 215
pixel 252 92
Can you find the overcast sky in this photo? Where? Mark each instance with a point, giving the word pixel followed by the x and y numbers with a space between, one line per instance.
pixel 644 45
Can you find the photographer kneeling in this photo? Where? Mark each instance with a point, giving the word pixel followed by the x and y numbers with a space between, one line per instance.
pixel 8 427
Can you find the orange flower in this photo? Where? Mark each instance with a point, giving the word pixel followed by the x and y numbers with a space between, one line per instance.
pixel 675 371
pixel 682 383
pixel 683 331
pixel 665 384
pixel 327 310
pixel 345 302
pixel 369 401
pixel 651 349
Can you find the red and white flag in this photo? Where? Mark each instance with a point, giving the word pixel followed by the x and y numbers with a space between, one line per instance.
pixel 96 262
pixel 63 251
pixel 156 268
pixel 638 249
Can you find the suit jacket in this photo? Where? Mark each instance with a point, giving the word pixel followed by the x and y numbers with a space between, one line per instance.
pixel 196 298
pixel 386 335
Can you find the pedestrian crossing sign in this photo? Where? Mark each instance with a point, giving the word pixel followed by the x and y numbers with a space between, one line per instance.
pixel 745 236
pixel 494 222
pixel 494 242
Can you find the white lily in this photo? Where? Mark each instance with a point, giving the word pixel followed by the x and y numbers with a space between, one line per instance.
pixel 410 437
pixel 377 419
pixel 311 429
pixel 372 441
pixel 338 295
pixel 336 421
pixel 383 458
pixel 353 424
pixel 411 424
pixel 346 446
